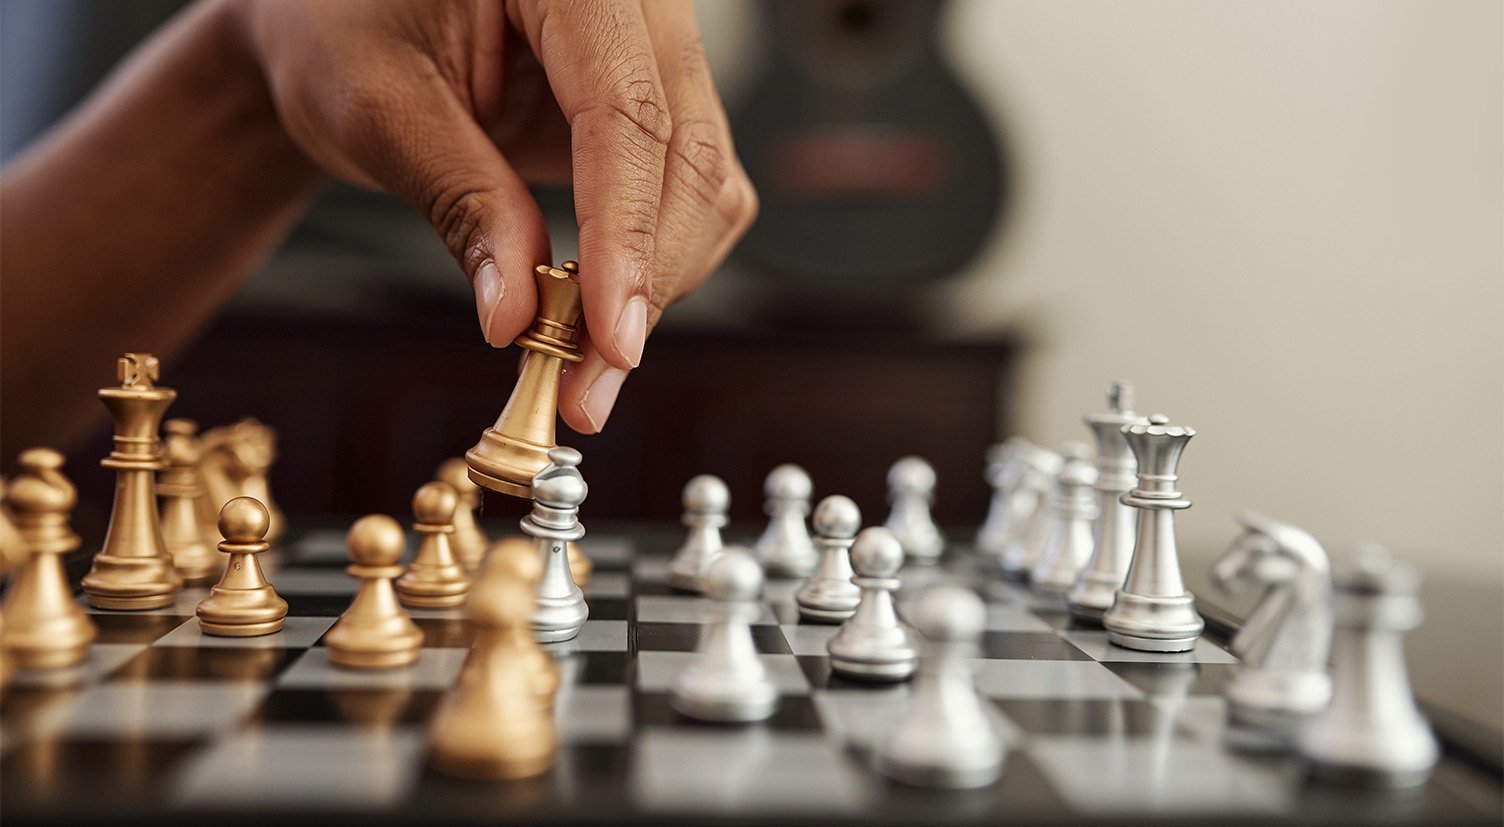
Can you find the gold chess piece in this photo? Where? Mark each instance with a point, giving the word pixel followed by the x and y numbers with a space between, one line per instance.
pixel 511 452
pixel 13 550
pixel 236 461
pixel 243 604
pixel 375 632
pixel 134 570
pixel 179 488
pixel 435 579
pixel 469 540
pixel 44 627
pixel 498 722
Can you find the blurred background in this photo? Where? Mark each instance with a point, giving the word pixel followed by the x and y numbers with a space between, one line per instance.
pixel 1281 221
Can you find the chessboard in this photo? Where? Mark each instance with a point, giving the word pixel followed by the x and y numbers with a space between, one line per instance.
pixel 162 724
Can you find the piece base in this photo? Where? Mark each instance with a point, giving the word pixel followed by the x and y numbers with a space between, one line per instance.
pixel 396 659
pixel 555 635
pixel 819 615
pixel 511 768
pixel 1150 644
pixel 890 672
pixel 49 659
pixel 432 601
pixel 266 627
pixel 725 711
pixel 132 604
pixel 949 777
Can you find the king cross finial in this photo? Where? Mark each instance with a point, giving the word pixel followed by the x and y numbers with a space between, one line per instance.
pixel 138 370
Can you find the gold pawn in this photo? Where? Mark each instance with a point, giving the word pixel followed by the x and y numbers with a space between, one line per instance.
pixel 179 488
pixel 435 580
pixel 44 627
pixel 469 540
pixel 243 604
pixel 375 632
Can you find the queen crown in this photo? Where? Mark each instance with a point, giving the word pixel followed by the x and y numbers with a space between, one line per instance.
pixel 1157 445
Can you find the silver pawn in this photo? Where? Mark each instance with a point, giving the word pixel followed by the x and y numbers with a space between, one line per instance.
pixel 946 738
pixel 785 547
pixel 1002 473
pixel 1372 731
pixel 726 681
pixel 911 490
pixel 829 596
pixel 873 644
pixel 1112 538
pixel 706 501
pixel 1068 548
pixel 1035 488
pixel 558 491
pixel 1282 678
pixel 1153 612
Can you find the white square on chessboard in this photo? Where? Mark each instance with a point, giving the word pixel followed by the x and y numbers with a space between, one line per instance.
pixel 742 771
pixel 609 550
pixel 808 638
pixel 144 709
pixel 863 717
pixel 594 714
pixel 315 581
pixel 687 609
pixel 609 584
pixel 1002 617
pixel 103 658
pixel 1142 775
pixel 434 669
pixel 296 633
pixel 183 605
pixel 1097 645
pixel 307 766
pixel 657 671
pixel 1050 680
pixel 594 636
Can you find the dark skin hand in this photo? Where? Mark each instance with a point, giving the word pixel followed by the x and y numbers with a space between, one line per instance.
pixel 452 106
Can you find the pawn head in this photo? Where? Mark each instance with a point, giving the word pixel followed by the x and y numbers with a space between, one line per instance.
pixel 876 553
pixel 375 540
pixel 733 576
pixel 788 482
pixel 837 517
pixel 516 559
pixel 706 494
pixel 244 520
pixel 456 474
pixel 949 613
pixel 40 459
pixel 911 475
pixel 435 504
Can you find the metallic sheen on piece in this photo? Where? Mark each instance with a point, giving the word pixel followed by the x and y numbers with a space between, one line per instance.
pixel 1153 611
pixel 43 627
pixel 235 462
pixel 873 644
pixel 180 490
pixel 243 603
pixel 1112 538
pixel 911 490
pixel 469 540
pixel 945 738
pixel 512 451
pixel 1371 733
pixel 1281 679
pixel 829 596
pixel 133 570
pixel 1001 474
pixel 706 500
pixel 375 632
pixel 558 491
pixel 726 681
pixel 1035 492
pixel 785 547
pixel 435 579
pixel 1069 545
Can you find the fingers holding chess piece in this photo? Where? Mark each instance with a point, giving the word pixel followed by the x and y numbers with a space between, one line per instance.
pixel 435 579
pixel 243 603
pixel 44 627
pixel 179 489
pixel 375 632
pixel 469 540
pixel 706 500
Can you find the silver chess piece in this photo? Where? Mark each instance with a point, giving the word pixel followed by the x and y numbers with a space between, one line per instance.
pixel 1035 491
pixel 785 547
pixel 1112 537
pixel 1371 732
pixel 558 491
pixel 706 501
pixel 911 490
pixel 1065 553
pixel 1282 678
pixel 726 681
pixel 1153 611
pixel 873 644
pixel 946 738
pixel 829 596
pixel 1001 475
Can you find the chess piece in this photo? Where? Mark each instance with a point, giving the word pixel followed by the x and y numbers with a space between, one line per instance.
pixel 1036 484
pixel 435 579
pixel 1153 612
pixel 945 738
pixel 785 547
pixel 375 632
pixel 706 501
pixel 1282 678
pixel 513 451
pixel 829 596
pixel 44 627
pixel 236 462
pixel 1371 733
pixel 243 604
pixel 133 570
pixel 13 548
pixel 179 489
pixel 727 682
pixel 498 722
pixel 469 540
pixel 1069 545
pixel 1001 474
pixel 558 491
pixel 873 644
pixel 1112 538
pixel 911 490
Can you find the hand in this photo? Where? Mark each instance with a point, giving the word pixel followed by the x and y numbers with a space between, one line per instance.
pixel 454 106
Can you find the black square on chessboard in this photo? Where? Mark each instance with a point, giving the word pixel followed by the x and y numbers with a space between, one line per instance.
pixel 441 633
pixel 317 605
pixel 97 775
pixel 1029 646
pixel 597 668
pixel 685 637
pixel 205 663
pixel 339 706
pixel 608 608
pixel 115 628
pixel 1164 678
pixel 794 713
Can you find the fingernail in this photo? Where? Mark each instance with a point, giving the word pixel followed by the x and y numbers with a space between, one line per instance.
pixel 632 330
pixel 600 397
pixel 489 290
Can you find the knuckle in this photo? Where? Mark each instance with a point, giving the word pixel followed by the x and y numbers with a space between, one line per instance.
pixel 699 160
pixel 456 211
pixel 635 95
pixel 739 205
